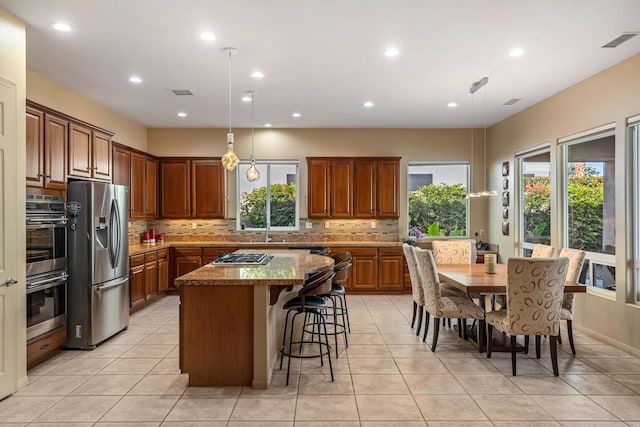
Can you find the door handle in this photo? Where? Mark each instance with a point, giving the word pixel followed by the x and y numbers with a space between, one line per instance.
pixel 10 282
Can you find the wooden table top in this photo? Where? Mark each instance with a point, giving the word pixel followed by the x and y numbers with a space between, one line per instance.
pixel 472 279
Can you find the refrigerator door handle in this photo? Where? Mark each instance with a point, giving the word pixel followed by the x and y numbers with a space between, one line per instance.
pixel 118 230
pixel 112 218
pixel 113 285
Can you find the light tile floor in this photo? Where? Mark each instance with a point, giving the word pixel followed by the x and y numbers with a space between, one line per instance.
pixel 388 377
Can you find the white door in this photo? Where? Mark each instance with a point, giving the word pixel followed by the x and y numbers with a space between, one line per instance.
pixel 8 239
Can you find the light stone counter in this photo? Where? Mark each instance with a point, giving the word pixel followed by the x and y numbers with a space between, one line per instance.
pixel 230 334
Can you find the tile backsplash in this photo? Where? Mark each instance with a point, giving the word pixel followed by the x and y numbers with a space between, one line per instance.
pixel 225 230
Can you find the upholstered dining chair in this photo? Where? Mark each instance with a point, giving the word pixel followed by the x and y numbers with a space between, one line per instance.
pixel 543 251
pixel 534 298
pixel 576 260
pixel 417 292
pixel 438 306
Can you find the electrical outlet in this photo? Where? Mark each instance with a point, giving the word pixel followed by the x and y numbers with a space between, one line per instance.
pixel 373 224
pixel 308 225
pixel 481 232
pixel 326 224
pixel 194 225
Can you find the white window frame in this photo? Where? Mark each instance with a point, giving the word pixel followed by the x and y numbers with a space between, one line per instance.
pixel 633 125
pixel 592 257
pixel 465 163
pixel 521 245
pixel 264 167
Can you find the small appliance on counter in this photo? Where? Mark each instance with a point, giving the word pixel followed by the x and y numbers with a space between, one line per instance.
pixel 99 262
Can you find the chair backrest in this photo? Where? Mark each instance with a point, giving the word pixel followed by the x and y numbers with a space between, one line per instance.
pixel 543 251
pixel 341 257
pixel 576 260
pixel 342 272
pixel 417 292
pixel 534 295
pixel 318 283
pixel 428 274
pixel 454 251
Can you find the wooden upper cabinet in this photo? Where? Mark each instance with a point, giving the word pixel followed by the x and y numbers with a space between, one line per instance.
pixel 101 156
pixel 341 188
pixel 56 133
pixel 364 184
pixel 207 189
pixel 175 189
pixel 121 170
pixel 80 151
pixel 318 193
pixel 137 186
pixel 151 185
pixel 35 148
pixel 387 189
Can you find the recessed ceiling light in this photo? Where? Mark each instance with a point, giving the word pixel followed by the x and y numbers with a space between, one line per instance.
pixel 452 104
pixel 268 125
pixel 181 114
pixel 516 52
pixel 207 36
pixel 296 115
pixel 135 79
pixel 391 52
pixel 246 98
pixel 368 104
pixel 61 26
pixel 257 75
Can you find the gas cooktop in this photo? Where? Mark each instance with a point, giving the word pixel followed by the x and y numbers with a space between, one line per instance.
pixel 243 259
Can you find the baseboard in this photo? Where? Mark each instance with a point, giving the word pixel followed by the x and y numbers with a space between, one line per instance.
pixel 23 382
pixel 608 340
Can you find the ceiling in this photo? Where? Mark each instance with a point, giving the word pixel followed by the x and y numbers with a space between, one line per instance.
pixel 324 58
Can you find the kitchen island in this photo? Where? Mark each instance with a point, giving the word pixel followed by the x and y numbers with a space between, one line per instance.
pixel 231 317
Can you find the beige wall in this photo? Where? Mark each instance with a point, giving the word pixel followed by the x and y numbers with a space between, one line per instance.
pixel 55 96
pixel 12 67
pixel 296 144
pixel 608 97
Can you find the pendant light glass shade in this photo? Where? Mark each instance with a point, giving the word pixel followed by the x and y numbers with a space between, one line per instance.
pixel 253 174
pixel 230 159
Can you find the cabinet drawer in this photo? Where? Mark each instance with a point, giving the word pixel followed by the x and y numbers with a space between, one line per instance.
pixel 393 251
pixel 357 251
pixel 187 251
pixel 38 350
pixel 163 253
pixel 136 260
pixel 150 256
pixel 217 251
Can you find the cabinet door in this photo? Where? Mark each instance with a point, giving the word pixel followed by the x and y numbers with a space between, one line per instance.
pixel 187 264
pixel 342 188
pixel 174 188
pixel 151 279
pixel 151 185
pixel 163 275
pixel 319 188
pixel 56 133
pixel 79 151
pixel 35 148
pixel 122 167
pixel 101 156
pixel 136 286
pixel 364 183
pixel 207 189
pixel 387 189
pixel 137 188
pixel 364 272
pixel 390 272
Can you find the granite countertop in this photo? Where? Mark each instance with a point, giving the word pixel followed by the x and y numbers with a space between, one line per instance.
pixel 140 248
pixel 286 268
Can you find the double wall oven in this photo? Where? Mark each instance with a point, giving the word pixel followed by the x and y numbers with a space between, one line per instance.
pixel 46 264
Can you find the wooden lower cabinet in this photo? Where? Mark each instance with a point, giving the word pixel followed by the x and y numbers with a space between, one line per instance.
pixel 364 268
pixel 148 278
pixel 137 292
pixel 163 275
pixel 151 279
pixel 45 346
pixel 375 269
pixel 185 260
pixel 210 254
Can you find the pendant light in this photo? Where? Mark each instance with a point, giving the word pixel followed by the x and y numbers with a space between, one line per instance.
pixel 473 89
pixel 230 159
pixel 252 173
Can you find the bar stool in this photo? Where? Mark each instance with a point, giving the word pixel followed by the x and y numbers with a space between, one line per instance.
pixel 310 302
pixel 337 293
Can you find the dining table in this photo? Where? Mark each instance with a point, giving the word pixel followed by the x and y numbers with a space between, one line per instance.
pixel 475 282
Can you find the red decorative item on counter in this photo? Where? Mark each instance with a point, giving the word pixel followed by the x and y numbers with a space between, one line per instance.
pixel 160 237
pixel 145 237
pixel 152 234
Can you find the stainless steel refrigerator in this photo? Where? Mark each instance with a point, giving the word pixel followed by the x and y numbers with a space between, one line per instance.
pixel 98 262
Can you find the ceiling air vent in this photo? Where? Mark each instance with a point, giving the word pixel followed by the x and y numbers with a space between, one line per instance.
pixel 181 92
pixel 621 39
pixel 512 101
